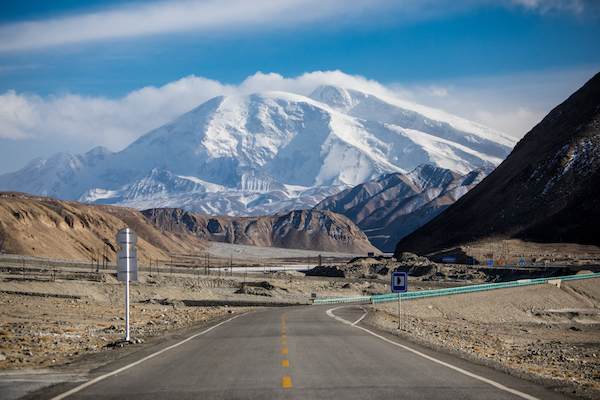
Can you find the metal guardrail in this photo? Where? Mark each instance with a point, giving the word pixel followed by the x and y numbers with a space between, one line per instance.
pixel 450 291
pixel 342 300
pixel 474 288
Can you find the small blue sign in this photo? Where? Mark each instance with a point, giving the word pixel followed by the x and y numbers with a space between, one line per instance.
pixel 490 262
pixel 522 261
pixel 399 282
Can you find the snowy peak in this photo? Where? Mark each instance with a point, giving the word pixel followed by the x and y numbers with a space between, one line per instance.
pixel 335 97
pixel 261 152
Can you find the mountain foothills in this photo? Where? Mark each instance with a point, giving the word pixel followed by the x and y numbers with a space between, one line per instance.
pixel 266 153
pixel 394 205
pixel 52 228
pixel 547 190
pixel 300 229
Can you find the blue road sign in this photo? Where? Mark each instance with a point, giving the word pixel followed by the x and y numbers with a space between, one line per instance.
pixel 399 282
pixel 490 262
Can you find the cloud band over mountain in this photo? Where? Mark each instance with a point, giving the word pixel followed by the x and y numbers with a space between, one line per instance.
pixel 146 19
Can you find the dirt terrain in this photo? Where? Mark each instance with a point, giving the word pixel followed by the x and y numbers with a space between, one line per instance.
pixel 541 332
pixel 71 318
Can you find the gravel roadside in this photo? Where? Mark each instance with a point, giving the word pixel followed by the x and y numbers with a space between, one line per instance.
pixel 542 332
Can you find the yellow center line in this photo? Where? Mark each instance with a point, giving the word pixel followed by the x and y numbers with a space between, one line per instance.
pixel 286 382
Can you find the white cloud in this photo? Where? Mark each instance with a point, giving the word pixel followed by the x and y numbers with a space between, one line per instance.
pixel 511 104
pixel 101 121
pixel 175 16
pixel 437 91
pixel 512 122
pixel 164 17
pixel 308 82
pixel 544 6
pixel 18 115
pixel 115 123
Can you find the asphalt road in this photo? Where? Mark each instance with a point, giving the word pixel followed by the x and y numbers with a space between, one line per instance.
pixel 303 353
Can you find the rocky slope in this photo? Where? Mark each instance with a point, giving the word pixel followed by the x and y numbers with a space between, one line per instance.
pixel 547 189
pixel 392 206
pixel 300 229
pixel 46 227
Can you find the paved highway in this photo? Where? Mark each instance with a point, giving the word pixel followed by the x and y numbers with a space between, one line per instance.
pixel 303 353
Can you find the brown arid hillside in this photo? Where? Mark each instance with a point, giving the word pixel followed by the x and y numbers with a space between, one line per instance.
pixel 546 191
pixel 51 228
pixel 300 229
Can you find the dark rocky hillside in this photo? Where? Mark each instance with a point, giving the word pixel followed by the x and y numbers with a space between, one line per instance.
pixel 394 205
pixel 300 229
pixel 547 189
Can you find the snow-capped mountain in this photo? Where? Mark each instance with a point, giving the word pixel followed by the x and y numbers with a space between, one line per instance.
pixel 264 153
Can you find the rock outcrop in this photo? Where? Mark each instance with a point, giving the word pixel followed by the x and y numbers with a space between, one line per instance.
pixel 300 229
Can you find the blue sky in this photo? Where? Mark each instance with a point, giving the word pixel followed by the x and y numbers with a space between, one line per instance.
pixel 77 74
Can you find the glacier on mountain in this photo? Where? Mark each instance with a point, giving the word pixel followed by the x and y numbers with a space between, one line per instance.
pixel 266 152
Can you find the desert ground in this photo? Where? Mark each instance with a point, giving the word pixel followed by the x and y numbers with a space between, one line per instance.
pixel 68 317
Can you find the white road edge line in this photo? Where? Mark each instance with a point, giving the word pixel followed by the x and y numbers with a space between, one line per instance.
pixel 455 368
pixel 361 318
pixel 102 377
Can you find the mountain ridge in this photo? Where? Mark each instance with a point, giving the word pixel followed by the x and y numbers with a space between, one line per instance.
pixel 299 229
pixel 394 205
pixel 264 153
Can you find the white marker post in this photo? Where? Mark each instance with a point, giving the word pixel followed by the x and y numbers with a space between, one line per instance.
pixel 127 266
pixel 399 285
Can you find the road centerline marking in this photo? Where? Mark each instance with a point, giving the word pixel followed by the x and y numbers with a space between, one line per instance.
pixel 286 381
